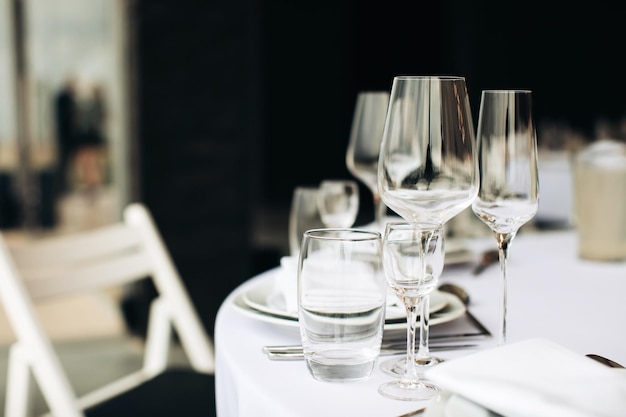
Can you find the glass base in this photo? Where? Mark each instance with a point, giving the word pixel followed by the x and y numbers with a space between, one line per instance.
pixel 408 391
pixel 340 372
pixel 397 367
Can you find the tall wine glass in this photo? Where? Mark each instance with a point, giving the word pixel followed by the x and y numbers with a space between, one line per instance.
pixel 366 136
pixel 509 188
pixel 427 168
pixel 338 202
pixel 406 247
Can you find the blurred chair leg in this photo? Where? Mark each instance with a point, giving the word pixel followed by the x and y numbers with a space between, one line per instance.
pixel 18 393
pixel 158 338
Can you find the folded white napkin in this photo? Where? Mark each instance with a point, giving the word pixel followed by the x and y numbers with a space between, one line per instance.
pixel 286 283
pixel 534 378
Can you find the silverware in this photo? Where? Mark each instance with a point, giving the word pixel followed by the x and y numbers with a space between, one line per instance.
pixel 465 299
pixel 604 361
pixel 414 412
pixel 294 352
pixel 488 257
pixel 396 345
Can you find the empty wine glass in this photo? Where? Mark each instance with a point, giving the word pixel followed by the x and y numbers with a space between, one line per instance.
pixel 509 186
pixel 406 248
pixel 338 202
pixel 363 150
pixel 427 168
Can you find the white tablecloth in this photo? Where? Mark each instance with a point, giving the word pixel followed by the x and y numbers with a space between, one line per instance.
pixel 552 293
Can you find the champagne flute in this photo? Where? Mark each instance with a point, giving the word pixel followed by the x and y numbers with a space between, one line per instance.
pixel 509 187
pixel 366 136
pixel 406 247
pixel 427 168
pixel 338 202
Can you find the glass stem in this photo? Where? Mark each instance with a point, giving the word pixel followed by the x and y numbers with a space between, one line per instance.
pixel 410 374
pixel 424 302
pixel 504 240
pixel 423 352
pixel 380 209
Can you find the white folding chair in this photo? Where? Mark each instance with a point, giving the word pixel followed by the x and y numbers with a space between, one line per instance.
pixel 113 255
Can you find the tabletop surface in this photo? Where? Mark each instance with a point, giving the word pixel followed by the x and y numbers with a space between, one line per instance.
pixel 552 293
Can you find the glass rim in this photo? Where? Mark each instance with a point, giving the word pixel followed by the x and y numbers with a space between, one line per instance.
pixel 343 233
pixel 414 225
pixel 430 77
pixel 509 91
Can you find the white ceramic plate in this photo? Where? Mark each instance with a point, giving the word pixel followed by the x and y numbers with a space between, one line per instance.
pixel 265 298
pixel 452 308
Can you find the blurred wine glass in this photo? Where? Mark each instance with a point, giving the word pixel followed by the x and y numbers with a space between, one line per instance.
pixel 303 215
pixel 364 145
pixel 338 202
pixel 509 190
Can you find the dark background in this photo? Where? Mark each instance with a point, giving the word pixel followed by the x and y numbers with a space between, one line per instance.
pixel 239 101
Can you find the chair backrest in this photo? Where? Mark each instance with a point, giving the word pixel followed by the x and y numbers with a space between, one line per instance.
pixel 113 255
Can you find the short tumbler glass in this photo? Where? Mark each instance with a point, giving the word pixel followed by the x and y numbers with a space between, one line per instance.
pixel 342 293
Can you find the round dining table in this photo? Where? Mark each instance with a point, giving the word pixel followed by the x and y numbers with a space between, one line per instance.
pixel 552 293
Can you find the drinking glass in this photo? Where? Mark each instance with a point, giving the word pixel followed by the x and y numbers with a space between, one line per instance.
pixel 427 168
pixel 303 215
pixel 406 248
pixel 338 202
pixel 366 136
pixel 341 302
pixel 509 186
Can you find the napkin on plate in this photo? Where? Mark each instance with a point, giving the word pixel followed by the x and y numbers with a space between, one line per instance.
pixel 534 378
pixel 286 282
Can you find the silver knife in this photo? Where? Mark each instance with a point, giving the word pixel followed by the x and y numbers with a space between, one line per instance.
pixel 294 352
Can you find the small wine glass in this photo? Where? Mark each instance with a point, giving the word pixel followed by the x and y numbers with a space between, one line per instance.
pixel 509 187
pixel 407 247
pixel 366 136
pixel 338 202
pixel 434 259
